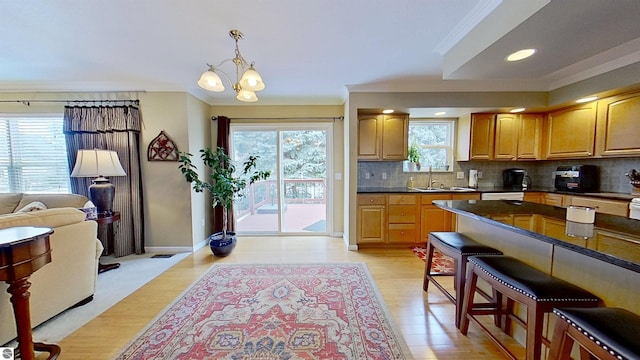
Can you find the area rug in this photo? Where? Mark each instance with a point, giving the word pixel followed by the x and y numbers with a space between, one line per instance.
pixel 442 264
pixel 274 312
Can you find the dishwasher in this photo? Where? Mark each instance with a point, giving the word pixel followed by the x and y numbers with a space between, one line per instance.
pixel 512 195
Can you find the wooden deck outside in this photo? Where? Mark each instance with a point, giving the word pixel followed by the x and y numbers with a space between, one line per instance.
pixel 297 218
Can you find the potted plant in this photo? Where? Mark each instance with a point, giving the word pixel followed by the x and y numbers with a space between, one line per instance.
pixel 224 185
pixel 414 157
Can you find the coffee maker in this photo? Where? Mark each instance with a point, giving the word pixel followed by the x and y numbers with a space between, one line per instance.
pixel 512 178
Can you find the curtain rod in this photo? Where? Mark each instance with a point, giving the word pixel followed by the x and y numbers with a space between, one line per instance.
pixel 287 118
pixel 28 102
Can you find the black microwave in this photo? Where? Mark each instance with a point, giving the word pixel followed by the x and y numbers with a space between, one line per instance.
pixel 579 178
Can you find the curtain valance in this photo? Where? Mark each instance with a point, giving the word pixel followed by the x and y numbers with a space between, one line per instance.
pixel 94 119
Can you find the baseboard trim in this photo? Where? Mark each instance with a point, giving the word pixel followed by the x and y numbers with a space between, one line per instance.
pixel 168 249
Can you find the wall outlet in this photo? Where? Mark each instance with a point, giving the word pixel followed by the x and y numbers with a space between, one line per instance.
pixel 460 175
pixel 479 174
pixel 384 176
pixel 367 176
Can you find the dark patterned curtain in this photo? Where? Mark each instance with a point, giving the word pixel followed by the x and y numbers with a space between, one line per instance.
pixel 224 125
pixel 115 128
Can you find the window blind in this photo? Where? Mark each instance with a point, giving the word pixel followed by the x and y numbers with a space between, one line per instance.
pixel 33 155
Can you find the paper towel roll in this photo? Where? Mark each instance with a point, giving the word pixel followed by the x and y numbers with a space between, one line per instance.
pixel 473 178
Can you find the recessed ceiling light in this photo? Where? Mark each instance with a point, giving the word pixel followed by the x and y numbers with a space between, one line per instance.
pixel 586 99
pixel 387 111
pixel 517 110
pixel 440 113
pixel 521 54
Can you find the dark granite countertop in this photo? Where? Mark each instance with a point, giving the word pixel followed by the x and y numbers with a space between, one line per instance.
pixel 627 229
pixel 603 195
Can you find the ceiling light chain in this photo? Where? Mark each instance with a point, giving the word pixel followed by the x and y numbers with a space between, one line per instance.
pixel 248 81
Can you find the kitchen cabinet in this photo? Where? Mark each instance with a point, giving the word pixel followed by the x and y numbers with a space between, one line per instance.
pixel 555 199
pixel 433 218
pixel 383 137
pixel 506 137
pixel 530 137
pixel 482 136
pixel 403 215
pixel 570 133
pixel 616 244
pixel 617 126
pixel 371 219
pixel 534 197
pixel 605 206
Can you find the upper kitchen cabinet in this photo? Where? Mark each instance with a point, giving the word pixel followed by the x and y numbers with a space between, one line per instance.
pixel 482 136
pixel 383 137
pixel 518 136
pixel 617 126
pixel 571 132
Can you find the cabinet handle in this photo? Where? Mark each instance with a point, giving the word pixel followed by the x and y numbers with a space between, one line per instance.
pixel 401 214
pixel 371 200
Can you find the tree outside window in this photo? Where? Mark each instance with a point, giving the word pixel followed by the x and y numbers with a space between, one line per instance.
pixel 434 139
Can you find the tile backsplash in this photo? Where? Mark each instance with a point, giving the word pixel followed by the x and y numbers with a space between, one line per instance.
pixel 612 178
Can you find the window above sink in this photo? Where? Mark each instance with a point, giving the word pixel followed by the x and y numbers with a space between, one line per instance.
pixel 434 141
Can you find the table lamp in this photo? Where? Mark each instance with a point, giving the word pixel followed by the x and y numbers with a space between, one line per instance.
pixel 99 163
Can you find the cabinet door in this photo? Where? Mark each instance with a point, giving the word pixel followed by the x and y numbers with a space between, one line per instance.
pixel 371 223
pixel 506 137
pixel 433 218
pixel 617 124
pixel 534 197
pixel 571 132
pixel 530 136
pixel 482 136
pixel 369 135
pixel 605 206
pixel 395 137
pixel 554 199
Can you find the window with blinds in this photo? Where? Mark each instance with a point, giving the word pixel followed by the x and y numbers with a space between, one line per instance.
pixel 33 155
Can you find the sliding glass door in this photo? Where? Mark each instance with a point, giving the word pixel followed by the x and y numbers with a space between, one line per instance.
pixel 295 198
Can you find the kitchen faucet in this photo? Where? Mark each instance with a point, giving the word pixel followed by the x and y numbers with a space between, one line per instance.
pixel 431 182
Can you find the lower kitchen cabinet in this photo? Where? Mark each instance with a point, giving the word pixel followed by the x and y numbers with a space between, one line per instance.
pixel 433 218
pixel 403 213
pixel 371 218
pixel 605 206
pixel 534 197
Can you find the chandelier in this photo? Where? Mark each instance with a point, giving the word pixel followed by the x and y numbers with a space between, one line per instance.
pixel 248 81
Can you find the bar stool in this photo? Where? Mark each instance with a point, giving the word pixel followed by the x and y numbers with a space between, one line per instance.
pixel 607 333
pixel 517 281
pixel 459 247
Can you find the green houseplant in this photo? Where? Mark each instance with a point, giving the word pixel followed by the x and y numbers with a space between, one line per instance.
pixel 224 185
pixel 414 155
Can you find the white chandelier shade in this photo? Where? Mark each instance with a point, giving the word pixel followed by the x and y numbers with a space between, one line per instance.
pixel 245 85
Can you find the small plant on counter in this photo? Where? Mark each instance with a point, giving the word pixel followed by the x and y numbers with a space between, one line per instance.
pixel 414 155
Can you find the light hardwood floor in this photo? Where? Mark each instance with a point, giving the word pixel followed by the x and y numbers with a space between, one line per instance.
pixel 425 319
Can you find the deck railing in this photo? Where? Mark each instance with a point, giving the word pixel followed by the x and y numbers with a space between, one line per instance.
pixel 265 193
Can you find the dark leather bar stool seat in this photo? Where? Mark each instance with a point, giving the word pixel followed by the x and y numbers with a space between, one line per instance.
pixel 607 333
pixel 459 247
pixel 517 281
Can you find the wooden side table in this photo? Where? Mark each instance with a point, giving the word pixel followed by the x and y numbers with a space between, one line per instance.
pixel 24 250
pixel 108 243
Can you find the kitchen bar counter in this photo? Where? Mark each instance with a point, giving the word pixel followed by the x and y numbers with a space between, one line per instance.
pixel 578 237
pixel 603 257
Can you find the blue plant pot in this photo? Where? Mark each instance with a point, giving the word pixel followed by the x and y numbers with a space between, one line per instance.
pixel 222 246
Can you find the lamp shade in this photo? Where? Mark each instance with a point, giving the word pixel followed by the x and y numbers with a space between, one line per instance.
pixel 211 81
pixel 247 96
pixel 92 163
pixel 251 80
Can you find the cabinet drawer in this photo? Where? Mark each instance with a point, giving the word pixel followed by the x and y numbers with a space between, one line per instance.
pixel 402 214
pixel 427 199
pixel 371 199
pixel 402 233
pixel 612 207
pixel 402 199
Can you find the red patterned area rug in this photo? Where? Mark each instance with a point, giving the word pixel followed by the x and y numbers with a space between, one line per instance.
pixel 442 264
pixel 274 312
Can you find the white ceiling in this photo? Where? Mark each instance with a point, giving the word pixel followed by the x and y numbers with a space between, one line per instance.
pixel 313 51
